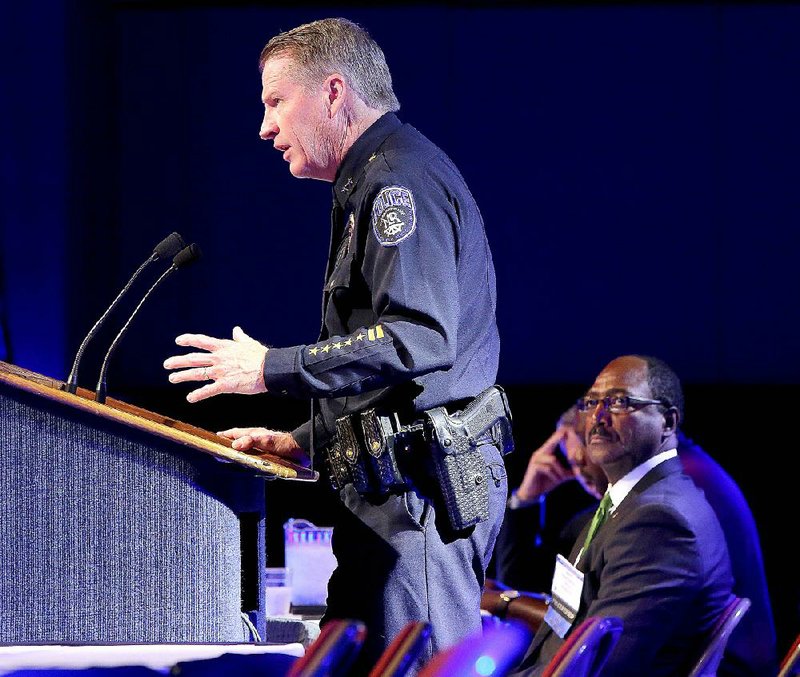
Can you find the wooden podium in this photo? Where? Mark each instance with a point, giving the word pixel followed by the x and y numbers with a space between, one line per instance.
pixel 118 525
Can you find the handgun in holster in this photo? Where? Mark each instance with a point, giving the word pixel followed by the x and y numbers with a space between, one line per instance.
pixel 455 447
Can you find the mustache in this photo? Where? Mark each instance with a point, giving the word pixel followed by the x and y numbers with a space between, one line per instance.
pixel 600 431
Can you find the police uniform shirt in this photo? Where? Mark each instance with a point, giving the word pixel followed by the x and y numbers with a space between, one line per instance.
pixel 409 302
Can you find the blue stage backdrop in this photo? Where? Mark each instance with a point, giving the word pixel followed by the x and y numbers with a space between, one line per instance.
pixel 636 166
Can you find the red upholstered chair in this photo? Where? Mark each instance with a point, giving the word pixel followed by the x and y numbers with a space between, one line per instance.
pixel 586 648
pixel 790 665
pixel 712 650
pixel 403 651
pixel 494 652
pixel 332 653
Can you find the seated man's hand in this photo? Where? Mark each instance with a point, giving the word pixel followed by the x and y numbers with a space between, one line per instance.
pixel 544 471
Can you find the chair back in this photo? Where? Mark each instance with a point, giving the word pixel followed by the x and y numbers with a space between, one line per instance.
pixel 494 652
pixel 404 650
pixel 714 647
pixel 586 649
pixel 790 665
pixel 332 653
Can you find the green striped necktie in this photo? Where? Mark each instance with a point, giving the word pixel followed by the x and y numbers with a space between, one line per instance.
pixel 600 516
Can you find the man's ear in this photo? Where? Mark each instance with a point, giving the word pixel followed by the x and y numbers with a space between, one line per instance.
pixel 335 91
pixel 671 420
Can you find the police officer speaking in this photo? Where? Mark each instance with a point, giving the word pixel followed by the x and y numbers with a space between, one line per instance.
pixel 405 420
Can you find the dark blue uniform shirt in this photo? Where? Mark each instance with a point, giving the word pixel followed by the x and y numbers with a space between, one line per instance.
pixel 409 302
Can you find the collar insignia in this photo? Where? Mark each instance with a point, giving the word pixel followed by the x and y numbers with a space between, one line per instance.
pixel 347 239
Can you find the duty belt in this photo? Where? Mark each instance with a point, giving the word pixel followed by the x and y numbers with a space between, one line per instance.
pixel 368 445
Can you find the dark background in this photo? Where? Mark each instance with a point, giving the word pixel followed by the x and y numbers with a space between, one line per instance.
pixel 636 165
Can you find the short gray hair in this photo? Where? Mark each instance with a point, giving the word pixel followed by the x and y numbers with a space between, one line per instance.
pixel 330 46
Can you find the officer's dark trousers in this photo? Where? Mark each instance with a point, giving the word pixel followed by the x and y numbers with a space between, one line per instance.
pixel 399 560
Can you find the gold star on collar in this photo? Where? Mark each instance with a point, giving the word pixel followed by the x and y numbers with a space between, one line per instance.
pixel 326 349
pixel 347 184
pixel 314 350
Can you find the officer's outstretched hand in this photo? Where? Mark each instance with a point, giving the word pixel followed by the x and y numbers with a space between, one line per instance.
pixel 232 365
pixel 262 440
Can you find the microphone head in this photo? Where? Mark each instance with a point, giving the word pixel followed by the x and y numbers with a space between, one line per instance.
pixel 169 246
pixel 186 256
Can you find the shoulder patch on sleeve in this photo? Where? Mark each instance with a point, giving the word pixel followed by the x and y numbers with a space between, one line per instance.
pixel 394 216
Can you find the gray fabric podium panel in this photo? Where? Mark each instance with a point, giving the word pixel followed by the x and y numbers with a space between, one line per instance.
pixel 111 535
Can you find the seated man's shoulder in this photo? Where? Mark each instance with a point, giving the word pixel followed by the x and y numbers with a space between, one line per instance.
pixel 677 505
pixel 674 493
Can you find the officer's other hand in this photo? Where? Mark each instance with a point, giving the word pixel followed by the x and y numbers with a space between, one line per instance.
pixel 265 441
pixel 232 365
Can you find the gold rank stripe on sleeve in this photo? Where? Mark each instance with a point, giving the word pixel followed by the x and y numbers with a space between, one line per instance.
pixel 373 334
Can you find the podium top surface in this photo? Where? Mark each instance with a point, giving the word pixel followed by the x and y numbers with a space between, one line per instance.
pixel 201 440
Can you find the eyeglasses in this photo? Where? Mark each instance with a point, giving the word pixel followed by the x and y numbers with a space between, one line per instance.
pixel 616 404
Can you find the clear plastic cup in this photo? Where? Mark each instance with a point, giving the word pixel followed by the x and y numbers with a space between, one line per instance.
pixel 278 584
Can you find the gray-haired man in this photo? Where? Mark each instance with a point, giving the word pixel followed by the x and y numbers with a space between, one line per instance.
pixel 408 326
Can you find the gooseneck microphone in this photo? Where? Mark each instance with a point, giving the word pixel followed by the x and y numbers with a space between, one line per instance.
pixel 183 258
pixel 169 246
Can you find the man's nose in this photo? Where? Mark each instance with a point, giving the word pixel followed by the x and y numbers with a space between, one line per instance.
pixel 601 412
pixel 269 129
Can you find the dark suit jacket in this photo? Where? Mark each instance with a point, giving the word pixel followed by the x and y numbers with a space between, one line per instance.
pixel 661 565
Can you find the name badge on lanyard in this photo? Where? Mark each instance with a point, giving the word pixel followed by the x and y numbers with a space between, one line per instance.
pixel 566 597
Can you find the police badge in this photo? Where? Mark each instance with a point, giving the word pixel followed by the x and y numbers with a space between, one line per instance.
pixel 394 216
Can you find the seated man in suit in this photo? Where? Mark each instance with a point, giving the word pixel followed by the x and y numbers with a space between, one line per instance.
pixel 528 543
pixel 539 524
pixel 656 556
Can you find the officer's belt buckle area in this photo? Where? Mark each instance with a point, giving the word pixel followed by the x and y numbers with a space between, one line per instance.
pixel 366 448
